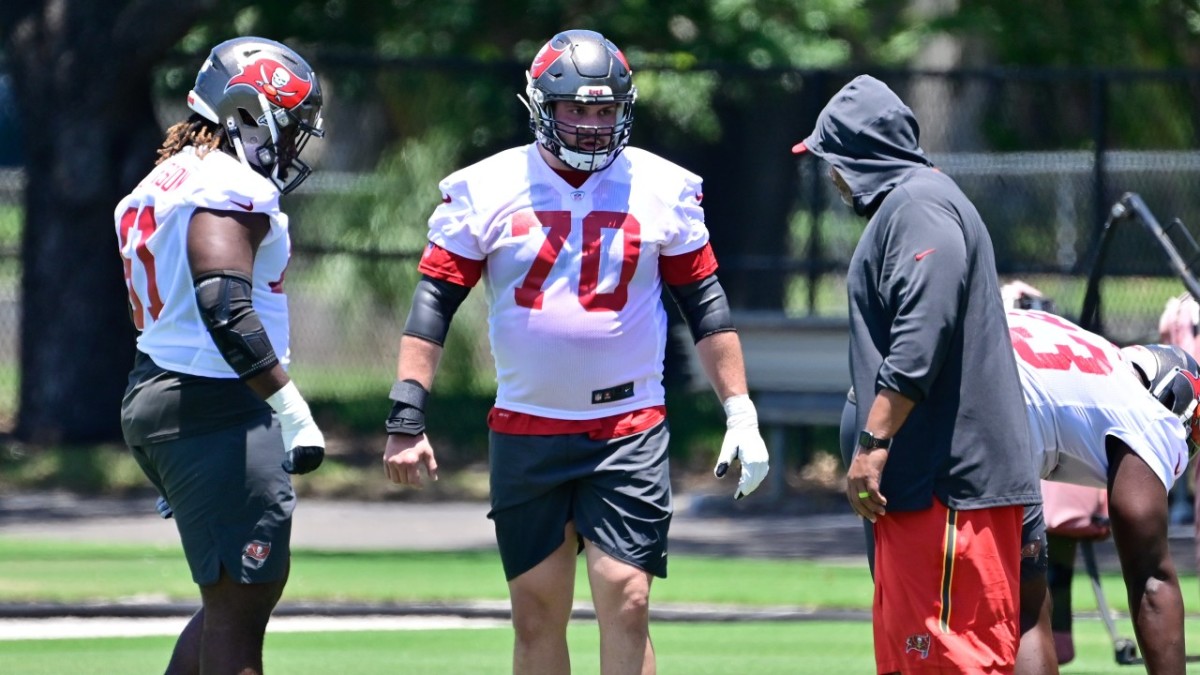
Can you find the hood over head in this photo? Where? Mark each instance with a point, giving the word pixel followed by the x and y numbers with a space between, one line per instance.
pixel 870 136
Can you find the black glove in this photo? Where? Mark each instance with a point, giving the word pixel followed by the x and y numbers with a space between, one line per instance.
pixel 303 459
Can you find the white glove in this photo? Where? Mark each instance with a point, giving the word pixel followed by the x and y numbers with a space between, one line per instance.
pixel 744 442
pixel 302 440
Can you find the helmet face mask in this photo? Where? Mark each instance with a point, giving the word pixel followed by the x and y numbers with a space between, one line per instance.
pixel 268 101
pixel 1172 376
pixel 580 67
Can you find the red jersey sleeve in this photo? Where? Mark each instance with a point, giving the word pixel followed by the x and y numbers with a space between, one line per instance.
pixel 439 263
pixel 688 267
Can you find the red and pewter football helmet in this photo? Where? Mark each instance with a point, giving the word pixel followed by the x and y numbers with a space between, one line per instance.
pixel 268 100
pixel 1173 377
pixel 585 67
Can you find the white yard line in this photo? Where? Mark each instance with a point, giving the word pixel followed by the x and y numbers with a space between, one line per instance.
pixel 75 627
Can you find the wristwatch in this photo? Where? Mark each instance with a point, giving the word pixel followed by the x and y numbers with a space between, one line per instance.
pixel 870 441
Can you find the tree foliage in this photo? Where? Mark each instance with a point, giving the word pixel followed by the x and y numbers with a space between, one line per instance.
pixel 1112 36
pixel 1081 33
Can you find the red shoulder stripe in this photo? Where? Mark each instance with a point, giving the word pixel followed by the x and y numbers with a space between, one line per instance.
pixel 686 268
pixel 439 263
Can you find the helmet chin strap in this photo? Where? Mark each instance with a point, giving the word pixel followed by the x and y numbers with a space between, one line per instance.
pixel 529 94
pixel 235 137
pixel 269 116
pixel 265 155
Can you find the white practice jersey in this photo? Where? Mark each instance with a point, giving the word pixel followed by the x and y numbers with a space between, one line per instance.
pixel 152 225
pixel 1079 391
pixel 576 321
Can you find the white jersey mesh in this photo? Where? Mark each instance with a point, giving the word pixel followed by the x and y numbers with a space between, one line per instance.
pixel 152 224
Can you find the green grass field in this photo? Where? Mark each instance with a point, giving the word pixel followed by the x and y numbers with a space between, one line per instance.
pixel 775 648
pixel 53 571
pixel 92 572
pixel 692 649
pixel 87 572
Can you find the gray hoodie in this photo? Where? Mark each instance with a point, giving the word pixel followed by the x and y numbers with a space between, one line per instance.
pixel 926 319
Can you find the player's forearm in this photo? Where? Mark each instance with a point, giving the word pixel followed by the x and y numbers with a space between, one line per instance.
pixel 268 381
pixel 721 356
pixel 418 360
pixel 888 412
pixel 414 378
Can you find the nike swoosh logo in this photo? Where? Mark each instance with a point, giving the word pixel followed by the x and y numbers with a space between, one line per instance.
pixel 248 206
pixel 921 256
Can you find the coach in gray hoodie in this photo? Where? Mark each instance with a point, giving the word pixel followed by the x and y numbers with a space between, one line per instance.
pixel 944 464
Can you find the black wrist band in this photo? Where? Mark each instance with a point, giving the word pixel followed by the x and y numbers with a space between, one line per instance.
pixel 408 408
pixel 410 393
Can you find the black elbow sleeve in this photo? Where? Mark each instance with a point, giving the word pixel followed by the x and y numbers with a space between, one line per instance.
pixel 433 306
pixel 704 307
pixel 224 301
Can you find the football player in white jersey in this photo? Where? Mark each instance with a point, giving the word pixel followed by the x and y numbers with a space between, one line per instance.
pixel 576 234
pixel 210 413
pixel 1117 419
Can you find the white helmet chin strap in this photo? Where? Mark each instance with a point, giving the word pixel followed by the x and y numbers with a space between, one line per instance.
pixel 235 137
pixel 274 129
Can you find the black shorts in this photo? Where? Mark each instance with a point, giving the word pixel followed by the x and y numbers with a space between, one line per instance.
pixel 232 499
pixel 1035 553
pixel 617 492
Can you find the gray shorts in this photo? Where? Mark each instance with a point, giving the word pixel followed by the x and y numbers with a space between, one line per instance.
pixel 617 492
pixel 232 499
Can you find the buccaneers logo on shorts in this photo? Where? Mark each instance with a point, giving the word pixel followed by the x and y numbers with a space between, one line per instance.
pixel 1031 550
pixel 918 644
pixel 256 552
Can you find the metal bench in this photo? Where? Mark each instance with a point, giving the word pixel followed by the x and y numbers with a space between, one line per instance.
pixel 798 369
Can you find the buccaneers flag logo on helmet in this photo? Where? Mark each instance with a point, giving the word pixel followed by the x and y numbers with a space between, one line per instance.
pixel 544 59
pixel 276 81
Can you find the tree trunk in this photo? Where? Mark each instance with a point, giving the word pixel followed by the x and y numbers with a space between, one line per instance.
pixel 82 72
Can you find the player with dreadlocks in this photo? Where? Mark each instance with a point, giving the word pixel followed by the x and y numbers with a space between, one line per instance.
pixel 195 131
pixel 210 413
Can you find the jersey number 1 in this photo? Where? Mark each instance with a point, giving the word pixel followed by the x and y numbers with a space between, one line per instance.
pixel 143 220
